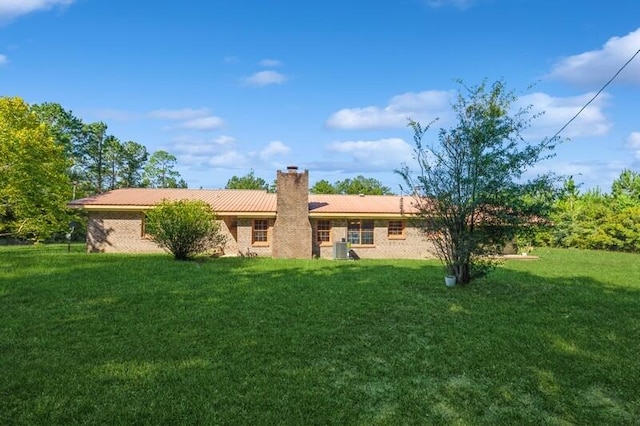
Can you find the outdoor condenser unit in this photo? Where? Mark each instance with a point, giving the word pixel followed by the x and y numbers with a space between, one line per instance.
pixel 340 250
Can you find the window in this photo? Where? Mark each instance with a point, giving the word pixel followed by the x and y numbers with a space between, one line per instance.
pixel 360 232
pixel 260 229
pixel 323 232
pixel 396 229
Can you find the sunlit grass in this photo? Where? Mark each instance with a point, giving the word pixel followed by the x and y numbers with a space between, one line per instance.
pixel 112 339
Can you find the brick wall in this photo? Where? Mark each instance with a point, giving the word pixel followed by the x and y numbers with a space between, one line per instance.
pixel 118 232
pixel 412 246
pixel 121 232
pixel 245 238
pixel 292 229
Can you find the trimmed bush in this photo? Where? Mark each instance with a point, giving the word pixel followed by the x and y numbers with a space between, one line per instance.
pixel 185 228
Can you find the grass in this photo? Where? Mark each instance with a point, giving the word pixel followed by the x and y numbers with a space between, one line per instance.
pixel 142 339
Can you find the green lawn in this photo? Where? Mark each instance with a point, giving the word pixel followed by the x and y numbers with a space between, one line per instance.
pixel 142 339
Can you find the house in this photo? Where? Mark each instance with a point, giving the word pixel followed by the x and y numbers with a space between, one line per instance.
pixel 290 223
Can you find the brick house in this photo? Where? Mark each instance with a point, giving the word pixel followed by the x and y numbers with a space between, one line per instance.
pixel 290 223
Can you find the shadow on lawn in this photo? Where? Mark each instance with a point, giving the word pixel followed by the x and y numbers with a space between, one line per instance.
pixel 262 341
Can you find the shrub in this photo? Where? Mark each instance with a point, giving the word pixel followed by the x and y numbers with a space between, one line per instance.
pixel 184 227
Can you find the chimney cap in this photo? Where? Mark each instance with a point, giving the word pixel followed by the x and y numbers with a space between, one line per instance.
pixel 292 168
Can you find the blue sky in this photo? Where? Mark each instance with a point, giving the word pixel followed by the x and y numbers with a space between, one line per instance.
pixel 233 85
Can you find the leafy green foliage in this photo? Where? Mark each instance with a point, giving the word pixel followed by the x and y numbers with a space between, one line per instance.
pixel 595 220
pixel 470 188
pixel 357 185
pixel 362 185
pixel 249 181
pixel 65 128
pixel 323 187
pixel 34 186
pixel 160 172
pixel 133 156
pixel 184 227
pixel 99 161
pixel 626 189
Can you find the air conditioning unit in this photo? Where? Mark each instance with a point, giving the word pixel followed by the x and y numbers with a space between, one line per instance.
pixel 340 251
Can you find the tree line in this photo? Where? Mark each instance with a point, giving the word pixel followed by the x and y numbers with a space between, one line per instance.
pixel 49 156
pixel 357 185
pixel 594 219
pixel 99 161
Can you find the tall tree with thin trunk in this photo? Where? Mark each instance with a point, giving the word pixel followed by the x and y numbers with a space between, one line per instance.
pixel 134 156
pixel 113 158
pixel 93 155
pixel 160 172
pixel 470 185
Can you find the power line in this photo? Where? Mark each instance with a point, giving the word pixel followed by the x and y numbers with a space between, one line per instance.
pixel 596 95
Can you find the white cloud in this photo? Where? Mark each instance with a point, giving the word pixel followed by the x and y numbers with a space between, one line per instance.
pixel 11 9
pixel 203 123
pixel 270 63
pixel 633 142
pixel 422 106
pixel 598 66
pixel 198 151
pixel 558 111
pixel 199 119
pixel 185 145
pixel 4 60
pixel 384 154
pixel 460 4
pixel 224 140
pixel 230 159
pixel 265 78
pixel 272 149
pixel 179 114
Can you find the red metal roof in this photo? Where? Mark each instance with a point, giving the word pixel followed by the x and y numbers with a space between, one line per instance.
pixel 361 204
pixel 227 201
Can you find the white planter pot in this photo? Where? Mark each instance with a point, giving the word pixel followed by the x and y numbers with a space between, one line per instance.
pixel 450 280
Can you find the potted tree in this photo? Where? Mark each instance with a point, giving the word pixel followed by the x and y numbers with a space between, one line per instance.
pixel 450 280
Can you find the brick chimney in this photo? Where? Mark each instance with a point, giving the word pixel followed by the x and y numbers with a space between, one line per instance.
pixel 292 230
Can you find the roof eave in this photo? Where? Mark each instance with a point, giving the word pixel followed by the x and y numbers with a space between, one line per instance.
pixel 358 215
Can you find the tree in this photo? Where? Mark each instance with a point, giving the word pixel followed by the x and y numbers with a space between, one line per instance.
pixel 160 172
pixel 92 156
pixel 67 132
pixel 98 161
pixel 124 163
pixel 65 128
pixel 34 186
pixel 566 212
pixel 362 185
pixel 113 161
pixel 134 156
pixel 470 188
pixel 626 189
pixel 184 227
pixel 358 185
pixel 249 181
pixel 323 187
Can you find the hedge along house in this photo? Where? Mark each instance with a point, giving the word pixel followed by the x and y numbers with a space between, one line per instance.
pixel 290 223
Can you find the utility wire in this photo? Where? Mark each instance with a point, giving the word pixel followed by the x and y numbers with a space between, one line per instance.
pixel 596 95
